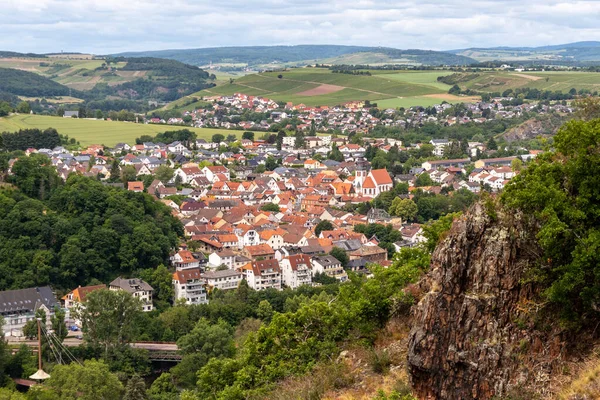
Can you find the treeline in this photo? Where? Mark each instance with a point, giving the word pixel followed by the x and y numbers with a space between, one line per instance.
pixel 456 78
pixel 30 138
pixel 350 72
pixel 386 67
pixel 78 232
pixel 183 135
pixel 23 83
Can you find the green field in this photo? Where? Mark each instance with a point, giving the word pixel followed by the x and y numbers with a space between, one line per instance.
pixel 107 133
pixel 499 81
pixel 391 88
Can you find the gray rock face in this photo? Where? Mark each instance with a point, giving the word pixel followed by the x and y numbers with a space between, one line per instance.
pixel 468 340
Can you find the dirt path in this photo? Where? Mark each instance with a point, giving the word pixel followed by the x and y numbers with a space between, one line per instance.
pixel 321 89
pixel 530 77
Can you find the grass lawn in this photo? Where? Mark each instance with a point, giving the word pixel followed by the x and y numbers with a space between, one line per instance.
pixel 108 133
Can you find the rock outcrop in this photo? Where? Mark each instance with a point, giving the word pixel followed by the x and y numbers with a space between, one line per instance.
pixel 473 336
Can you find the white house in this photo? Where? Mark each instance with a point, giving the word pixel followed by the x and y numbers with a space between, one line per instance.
pixel 373 183
pixel 262 275
pixel 190 286
pixel 330 266
pixel 223 280
pixel 296 270
pixel 138 289
pixel 224 257
pixel 184 259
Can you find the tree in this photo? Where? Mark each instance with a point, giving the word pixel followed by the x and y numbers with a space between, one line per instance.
pixel 5 108
pixel 163 388
pixel 264 311
pixel 231 138
pixel 491 144
pixel 335 154
pixel 248 135
pixel 161 280
pixel 424 180
pixel 340 255
pixel 324 225
pixel 299 142
pixel 404 208
pixel 90 381
pixel 23 108
pixel 164 173
pixel 560 190
pixel 272 207
pixel 135 389
pixel 107 318
pixel 218 138
pixel 4 354
pixel 209 340
pixel 128 174
pixel 516 165
pixel 279 141
pixel 271 163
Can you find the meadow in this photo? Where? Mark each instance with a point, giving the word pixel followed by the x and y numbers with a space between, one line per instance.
pixel 499 81
pixel 108 133
pixel 318 86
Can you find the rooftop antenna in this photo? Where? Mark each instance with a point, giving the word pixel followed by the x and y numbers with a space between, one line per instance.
pixel 40 375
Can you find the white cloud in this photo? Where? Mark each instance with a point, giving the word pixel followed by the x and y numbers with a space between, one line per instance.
pixel 126 25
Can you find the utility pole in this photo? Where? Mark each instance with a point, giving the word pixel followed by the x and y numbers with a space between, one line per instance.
pixel 40 375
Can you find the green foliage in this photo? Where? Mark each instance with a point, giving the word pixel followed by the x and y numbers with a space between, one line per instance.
pixel 217 138
pixel 403 208
pixel 432 206
pixel 24 83
pixel 335 154
pixel 108 317
pixel 272 207
pixel 163 388
pixel 324 225
pixel 248 135
pixel 562 191
pixel 386 234
pixel 424 180
pixel 135 389
pixel 340 255
pixel 90 381
pixel 161 281
pixel 4 354
pixel 83 230
pixel 310 332
pixel 435 230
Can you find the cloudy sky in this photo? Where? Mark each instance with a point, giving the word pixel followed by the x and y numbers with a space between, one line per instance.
pixel 110 26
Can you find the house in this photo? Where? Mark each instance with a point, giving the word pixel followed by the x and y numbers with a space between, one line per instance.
pixel 441 164
pixel 263 251
pixel 190 286
pixel 413 233
pixel 439 146
pixel 137 288
pixel 223 280
pixel 494 162
pixel 273 238
pixel 224 257
pixel 262 275
pixel 296 270
pixel 71 114
pixel 136 186
pixel 17 307
pixel 211 173
pixel 330 266
pixel 371 254
pixel 184 259
pixel 73 301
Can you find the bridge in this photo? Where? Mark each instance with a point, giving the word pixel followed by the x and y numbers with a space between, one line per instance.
pixel 157 351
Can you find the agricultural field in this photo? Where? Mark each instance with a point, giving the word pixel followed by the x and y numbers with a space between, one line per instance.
pixel 499 81
pixel 317 86
pixel 89 131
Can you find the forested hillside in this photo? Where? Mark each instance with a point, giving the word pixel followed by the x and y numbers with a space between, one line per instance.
pixel 70 234
pixel 23 83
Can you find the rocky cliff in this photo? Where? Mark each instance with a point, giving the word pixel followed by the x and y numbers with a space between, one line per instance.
pixel 474 333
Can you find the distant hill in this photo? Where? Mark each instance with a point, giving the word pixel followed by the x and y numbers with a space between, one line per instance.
pixel 97 78
pixel 578 53
pixel 23 83
pixel 265 55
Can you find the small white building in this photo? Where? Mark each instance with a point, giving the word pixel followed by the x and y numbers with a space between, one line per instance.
pixel 190 285
pixel 138 289
pixel 330 266
pixel 296 270
pixel 224 257
pixel 262 275
pixel 184 259
pixel 223 280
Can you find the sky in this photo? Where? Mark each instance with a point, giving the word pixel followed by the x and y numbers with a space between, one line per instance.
pixel 112 26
